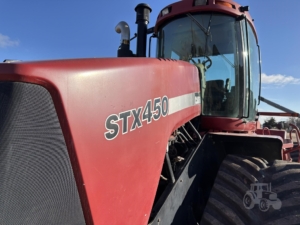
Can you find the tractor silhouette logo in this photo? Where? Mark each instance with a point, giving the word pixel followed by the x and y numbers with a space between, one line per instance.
pixel 261 194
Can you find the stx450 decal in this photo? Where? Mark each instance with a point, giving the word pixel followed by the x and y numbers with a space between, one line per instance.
pixel 152 111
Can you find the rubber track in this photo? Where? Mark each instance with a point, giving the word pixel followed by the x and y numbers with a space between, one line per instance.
pixel 236 173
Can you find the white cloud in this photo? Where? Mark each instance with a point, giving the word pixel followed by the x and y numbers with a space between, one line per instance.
pixel 279 79
pixel 5 41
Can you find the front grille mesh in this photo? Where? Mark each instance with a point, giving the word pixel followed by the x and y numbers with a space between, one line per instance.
pixel 37 185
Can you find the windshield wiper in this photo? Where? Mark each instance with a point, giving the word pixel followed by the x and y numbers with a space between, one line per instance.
pixel 205 31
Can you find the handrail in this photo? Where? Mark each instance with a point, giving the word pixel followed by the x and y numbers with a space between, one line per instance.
pixel 267 129
pixel 295 130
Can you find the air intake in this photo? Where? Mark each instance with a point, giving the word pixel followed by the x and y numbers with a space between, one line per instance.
pixel 37 185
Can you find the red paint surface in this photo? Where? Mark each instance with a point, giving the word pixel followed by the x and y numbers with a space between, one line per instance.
pixel 117 179
pixel 227 124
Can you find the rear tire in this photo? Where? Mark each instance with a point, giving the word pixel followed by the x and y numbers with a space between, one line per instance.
pixel 228 203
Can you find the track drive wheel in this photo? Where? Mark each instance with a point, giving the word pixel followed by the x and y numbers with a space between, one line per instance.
pixel 229 200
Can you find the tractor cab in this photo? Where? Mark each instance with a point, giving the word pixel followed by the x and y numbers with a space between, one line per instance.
pixel 221 41
pixel 260 187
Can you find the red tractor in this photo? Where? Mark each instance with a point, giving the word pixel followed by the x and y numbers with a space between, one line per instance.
pixel 136 140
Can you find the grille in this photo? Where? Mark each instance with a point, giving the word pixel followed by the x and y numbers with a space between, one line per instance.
pixel 37 185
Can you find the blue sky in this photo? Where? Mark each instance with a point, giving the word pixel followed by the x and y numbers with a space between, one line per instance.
pixel 39 30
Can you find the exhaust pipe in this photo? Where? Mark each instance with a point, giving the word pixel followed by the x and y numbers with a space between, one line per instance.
pixel 142 19
pixel 124 49
pixel 123 29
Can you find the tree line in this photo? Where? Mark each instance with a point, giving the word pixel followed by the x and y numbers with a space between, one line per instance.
pixel 271 123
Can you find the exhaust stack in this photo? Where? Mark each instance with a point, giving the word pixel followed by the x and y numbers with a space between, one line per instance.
pixel 142 19
pixel 123 29
pixel 124 49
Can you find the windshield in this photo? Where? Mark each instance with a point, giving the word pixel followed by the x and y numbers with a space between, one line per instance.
pixel 213 42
